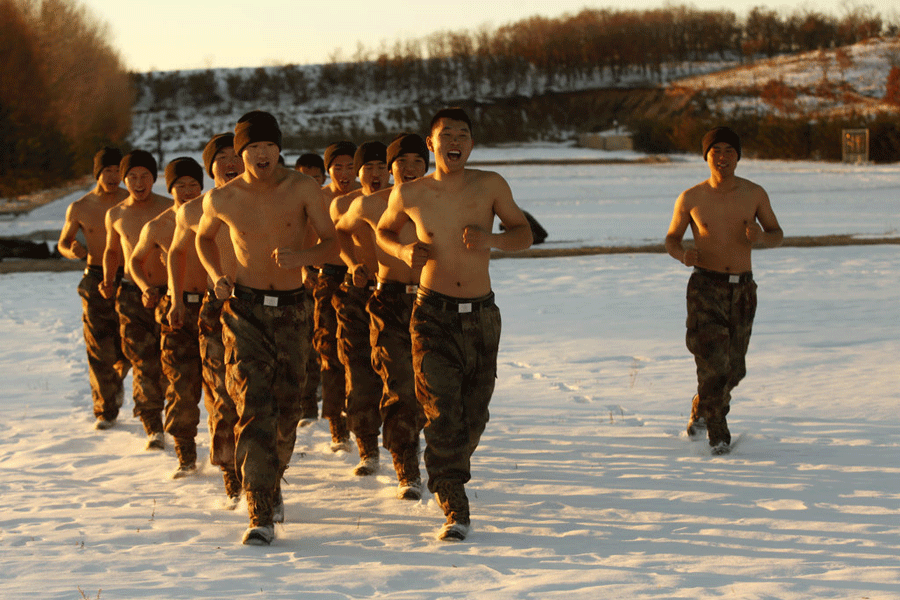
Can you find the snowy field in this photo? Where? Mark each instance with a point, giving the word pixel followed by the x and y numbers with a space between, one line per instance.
pixel 584 486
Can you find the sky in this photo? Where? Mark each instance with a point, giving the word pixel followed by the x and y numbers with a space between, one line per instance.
pixel 203 34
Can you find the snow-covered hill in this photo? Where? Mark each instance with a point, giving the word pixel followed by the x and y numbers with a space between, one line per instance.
pixel 177 112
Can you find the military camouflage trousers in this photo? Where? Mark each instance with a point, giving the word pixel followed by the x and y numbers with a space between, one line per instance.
pixel 107 364
pixel 355 351
pixel 401 414
pixel 141 343
pixel 182 367
pixel 334 385
pixel 266 350
pixel 454 348
pixel 719 322
pixel 220 408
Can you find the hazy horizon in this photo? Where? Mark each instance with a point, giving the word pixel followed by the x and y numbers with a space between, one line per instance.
pixel 205 34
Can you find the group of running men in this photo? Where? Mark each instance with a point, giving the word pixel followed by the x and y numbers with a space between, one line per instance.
pixel 273 284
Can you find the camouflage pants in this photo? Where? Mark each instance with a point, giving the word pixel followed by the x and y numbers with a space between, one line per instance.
pixel 719 323
pixel 334 386
pixel 310 401
pixel 401 412
pixel 265 361
pixel 182 367
pixel 220 409
pixel 106 360
pixel 141 344
pixel 455 362
pixel 355 351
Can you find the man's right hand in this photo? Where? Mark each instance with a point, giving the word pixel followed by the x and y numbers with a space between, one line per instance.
pixel 176 314
pixel 691 257
pixel 78 249
pixel 224 287
pixel 416 254
pixel 107 290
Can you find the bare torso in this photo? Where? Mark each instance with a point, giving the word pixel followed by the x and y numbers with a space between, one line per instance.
pixel 88 214
pixel 128 219
pixel 719 218
pixel 261 219
pixel 441 211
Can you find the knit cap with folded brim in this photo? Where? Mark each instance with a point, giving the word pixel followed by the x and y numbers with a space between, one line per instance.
pixel 138 158
pixel 181 167
pixel 256 126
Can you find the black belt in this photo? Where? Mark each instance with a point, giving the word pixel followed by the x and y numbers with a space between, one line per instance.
pixel 274 298
pixel 336 271
pixel 395 287
pixel 97 271
pixel 129 284
pixel 727 277
pixel 457 305
pixel 192 297
pixel 370 284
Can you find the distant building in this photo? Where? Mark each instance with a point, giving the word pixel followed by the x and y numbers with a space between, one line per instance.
pixel 606 141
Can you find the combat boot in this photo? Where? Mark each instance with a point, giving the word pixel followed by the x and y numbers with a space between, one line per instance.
pixel 409 478
pixel 451 496
pixel 340 434
pixel 368 456
pixel 186 450
pixel 262 529
pixel 233 490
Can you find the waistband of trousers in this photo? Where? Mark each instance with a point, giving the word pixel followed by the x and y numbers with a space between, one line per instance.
pixel 725 277
pixel 333 271
pixel 273 298
pixel 451 304
pixel 396 287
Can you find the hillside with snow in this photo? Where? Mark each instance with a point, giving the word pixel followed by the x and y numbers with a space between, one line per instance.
pixel 177 112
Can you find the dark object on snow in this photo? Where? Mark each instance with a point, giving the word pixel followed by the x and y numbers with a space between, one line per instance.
pixel 538 233
pixel 15 248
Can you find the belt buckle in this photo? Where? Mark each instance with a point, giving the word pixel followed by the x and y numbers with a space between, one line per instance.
pixel 193 298
pixel 734 279
pixel 465 307
pixel 270 301
pixel 412 288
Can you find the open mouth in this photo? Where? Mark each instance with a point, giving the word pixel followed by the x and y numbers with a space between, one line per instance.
pixel 407 178
pixel 229 175
pixel 454 155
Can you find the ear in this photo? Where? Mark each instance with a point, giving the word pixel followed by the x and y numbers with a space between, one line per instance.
pixel 429 144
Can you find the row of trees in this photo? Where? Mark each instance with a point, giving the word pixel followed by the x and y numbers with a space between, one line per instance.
pixel 595 47
pixel 63 93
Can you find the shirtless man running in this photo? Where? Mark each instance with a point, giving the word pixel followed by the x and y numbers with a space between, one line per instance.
pixel 354 334
pixel 727 216
pixel 266 210
pixel 390 308
pixel 180 344
pixel 222 164
pixel 455 324
pixel 106 362
pixel 338 160
pixel 138 326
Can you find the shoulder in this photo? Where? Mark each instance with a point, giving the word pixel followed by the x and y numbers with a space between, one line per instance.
pixel 695 193
pixel 189 213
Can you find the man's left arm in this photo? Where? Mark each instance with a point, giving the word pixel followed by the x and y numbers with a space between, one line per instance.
pixel 517 234
pixel 767 232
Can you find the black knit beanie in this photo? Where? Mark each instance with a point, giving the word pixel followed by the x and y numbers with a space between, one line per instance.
pixel 367 152
pixel 721 134
pixel 217 143
pixel 407 143
pixel 256 126
pixel 180 167
pixel 107 157
pixel 138 158
pixel 343 148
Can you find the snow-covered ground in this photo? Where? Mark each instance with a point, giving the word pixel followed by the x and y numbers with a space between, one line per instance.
pixel 584 486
